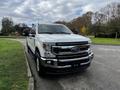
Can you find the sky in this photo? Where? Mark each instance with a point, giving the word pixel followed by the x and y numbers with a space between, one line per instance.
pixel 47 11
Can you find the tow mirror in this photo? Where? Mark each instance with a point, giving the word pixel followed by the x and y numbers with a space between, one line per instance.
pixel 32 33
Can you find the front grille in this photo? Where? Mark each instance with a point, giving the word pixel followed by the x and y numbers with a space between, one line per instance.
pixel 70 48
pixel 84 47
pixel 72 62
pixel 79 55
pixel 71 43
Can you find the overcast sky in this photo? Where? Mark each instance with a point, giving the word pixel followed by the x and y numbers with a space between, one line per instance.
pixel 29 11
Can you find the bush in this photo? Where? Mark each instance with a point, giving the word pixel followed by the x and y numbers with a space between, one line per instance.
pixel 104 35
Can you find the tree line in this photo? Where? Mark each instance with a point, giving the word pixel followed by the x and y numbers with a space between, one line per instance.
pixel 9 28
pixel 107 21
pixel 103 23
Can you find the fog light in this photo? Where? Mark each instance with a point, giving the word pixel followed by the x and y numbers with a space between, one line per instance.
pixel 48 62
pixel 47 54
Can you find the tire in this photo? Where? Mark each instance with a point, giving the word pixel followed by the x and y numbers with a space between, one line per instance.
pixel 39 67
pixel 28 49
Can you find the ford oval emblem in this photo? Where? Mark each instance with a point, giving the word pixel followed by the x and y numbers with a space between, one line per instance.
pixel 75 49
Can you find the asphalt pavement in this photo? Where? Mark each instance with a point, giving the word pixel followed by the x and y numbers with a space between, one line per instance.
pixel 103 74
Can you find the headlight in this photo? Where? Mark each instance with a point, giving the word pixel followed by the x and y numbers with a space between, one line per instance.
pixel 47 49
pixel 89 41
pixel 46 46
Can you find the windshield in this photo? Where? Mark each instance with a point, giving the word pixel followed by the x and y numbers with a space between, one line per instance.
pixel 53 29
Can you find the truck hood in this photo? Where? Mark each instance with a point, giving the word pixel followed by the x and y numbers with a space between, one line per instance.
pixel 61 38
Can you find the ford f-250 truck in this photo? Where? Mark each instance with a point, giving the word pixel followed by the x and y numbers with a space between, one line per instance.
pixel 57 50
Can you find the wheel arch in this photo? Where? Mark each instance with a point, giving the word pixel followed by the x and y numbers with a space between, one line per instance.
pixel 37 49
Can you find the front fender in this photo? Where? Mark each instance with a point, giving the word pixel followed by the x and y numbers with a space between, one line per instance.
pixel 39 45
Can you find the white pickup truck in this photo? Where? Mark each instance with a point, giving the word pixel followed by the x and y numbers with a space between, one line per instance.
pixel 57 50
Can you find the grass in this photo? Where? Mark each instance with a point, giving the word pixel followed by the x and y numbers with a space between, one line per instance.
pixel 105 41
pixel 12 36
pixel 13 74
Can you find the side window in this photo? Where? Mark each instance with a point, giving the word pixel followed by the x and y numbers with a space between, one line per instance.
pixel 32 31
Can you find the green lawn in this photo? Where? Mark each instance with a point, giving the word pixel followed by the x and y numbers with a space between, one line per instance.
pixel 13 74
pixel 105 41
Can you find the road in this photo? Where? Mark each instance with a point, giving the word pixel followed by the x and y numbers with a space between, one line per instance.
pixel 103 74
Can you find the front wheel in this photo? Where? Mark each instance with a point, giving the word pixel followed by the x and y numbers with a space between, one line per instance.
pixel 39 67
pixel 28 49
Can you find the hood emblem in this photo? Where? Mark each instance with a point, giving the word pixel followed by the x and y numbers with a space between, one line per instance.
pixel 75 49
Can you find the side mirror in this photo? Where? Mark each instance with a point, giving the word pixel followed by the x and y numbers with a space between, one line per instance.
pixel 32 33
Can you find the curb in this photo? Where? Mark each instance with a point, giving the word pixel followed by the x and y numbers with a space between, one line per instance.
pixel 29 74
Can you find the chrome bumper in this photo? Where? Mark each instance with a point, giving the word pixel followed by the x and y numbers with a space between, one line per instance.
pixel 44 60
pixel 75 59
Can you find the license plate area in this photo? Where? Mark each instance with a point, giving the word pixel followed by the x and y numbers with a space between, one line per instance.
pixel 73 63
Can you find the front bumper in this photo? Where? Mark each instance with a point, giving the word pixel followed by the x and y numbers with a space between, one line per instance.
pixel 49 70
pixel 66 65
